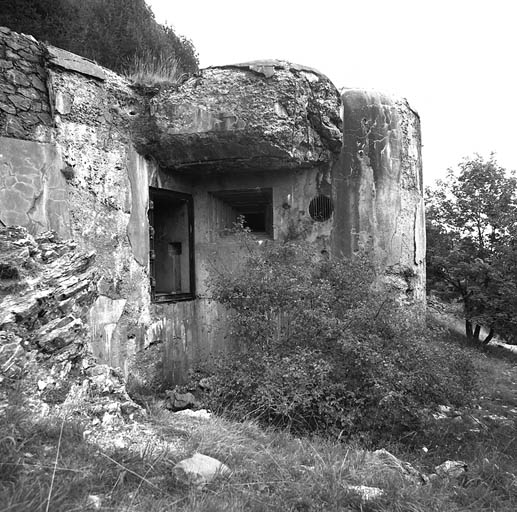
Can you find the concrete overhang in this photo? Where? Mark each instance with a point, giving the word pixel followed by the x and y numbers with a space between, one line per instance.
pixel 259 115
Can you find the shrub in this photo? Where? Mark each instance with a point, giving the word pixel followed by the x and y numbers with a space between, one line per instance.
pixel 322 350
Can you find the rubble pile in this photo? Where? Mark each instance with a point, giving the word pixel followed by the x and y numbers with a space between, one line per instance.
pixel 47 287
pixel 46 290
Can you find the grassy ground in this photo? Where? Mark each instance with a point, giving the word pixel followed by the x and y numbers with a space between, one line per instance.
pixel 50 465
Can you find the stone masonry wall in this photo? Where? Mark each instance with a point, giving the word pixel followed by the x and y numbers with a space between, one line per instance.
pixel 24 102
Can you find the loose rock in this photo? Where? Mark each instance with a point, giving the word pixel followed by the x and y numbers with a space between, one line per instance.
pixel 179 401
pixel 366 493
pixel 199 470
pixel 201 414
pixel 451 469
pixel 404 469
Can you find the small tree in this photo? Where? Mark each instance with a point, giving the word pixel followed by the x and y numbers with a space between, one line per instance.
pixel 471 231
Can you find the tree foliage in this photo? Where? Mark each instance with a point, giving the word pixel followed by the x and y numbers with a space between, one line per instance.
pixel 112 32
pixel 471 253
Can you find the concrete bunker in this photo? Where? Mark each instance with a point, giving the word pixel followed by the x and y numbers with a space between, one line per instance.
pixel 153 181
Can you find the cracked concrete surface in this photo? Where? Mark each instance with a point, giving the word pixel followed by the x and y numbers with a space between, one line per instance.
pixel 32 189
pixel 379 181
pixel 263 115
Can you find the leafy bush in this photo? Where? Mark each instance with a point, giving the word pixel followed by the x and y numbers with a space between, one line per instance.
pixel 323 350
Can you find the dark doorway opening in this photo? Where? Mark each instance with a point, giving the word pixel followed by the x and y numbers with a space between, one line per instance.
pixel 172 245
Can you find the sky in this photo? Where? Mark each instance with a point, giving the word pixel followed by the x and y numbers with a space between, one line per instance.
pixel 454 60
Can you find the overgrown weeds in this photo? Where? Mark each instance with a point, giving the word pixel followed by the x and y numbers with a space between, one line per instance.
pixel 324 350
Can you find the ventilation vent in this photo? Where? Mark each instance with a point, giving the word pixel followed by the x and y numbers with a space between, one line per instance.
pixel 320 208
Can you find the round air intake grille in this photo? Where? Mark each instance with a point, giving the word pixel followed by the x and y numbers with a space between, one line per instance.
pixel 320 208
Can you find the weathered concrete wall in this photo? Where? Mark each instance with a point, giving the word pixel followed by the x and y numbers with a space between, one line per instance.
pixel 292 193
pixel 107 183
pixel 33 191
pixel 379 191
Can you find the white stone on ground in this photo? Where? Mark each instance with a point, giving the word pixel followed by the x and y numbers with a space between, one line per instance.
pixel 199 470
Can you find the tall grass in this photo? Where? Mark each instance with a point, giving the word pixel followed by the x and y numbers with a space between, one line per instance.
pixel 151 69
pixel 271 470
